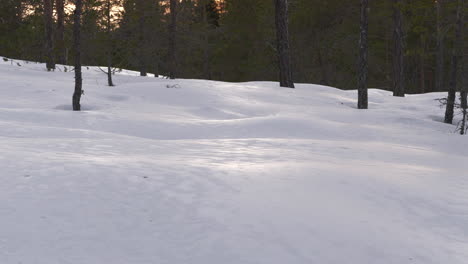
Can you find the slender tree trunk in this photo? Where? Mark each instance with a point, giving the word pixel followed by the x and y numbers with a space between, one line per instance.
pixel 60 31
pixel 206 43
pixel 77 50
pixel 464 106
pixel 422 66
pixel 449 108
pixel 363 57
pixel 172 40
pixel 109 41
pixel 387 54
pixel 156 67
pixel 49 34
pixel 282 35
pixel 109 69
pixel 398 51
pixel 142 38
pixel 323 67
pixel 440 51
pixel 456 61
pixel 206 59
pixel 462 76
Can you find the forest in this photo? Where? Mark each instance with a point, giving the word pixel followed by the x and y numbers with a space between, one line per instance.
pixel 234 40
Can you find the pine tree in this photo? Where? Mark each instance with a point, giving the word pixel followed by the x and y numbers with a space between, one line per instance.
pixel 439 49
pixel 457 56
pixel 60 33
pixel 463 76
pixel 109 40
pixel 209 21
pixel 282 36
pixel 398 51
pixel 363 57
pixel 77 50
pixel 49 39
pixel 172 40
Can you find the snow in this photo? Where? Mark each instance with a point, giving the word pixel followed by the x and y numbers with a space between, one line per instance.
pixel 210 172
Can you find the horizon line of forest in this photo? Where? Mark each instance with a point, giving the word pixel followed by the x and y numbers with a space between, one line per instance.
pixel 236 41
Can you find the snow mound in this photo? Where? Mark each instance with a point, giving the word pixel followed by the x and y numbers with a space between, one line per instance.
pixel 231 173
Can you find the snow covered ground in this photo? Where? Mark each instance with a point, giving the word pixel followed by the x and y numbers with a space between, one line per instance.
pixel 209 172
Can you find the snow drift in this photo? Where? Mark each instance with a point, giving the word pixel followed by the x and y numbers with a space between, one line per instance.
pixel 212 172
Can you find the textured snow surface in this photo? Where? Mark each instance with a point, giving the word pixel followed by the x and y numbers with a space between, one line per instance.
pixel 210 172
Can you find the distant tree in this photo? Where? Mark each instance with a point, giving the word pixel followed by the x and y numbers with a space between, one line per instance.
pixel 439 83
pixel 209 21
pixel 398 50
pixel 456 62
pixel 464 104
pixel 142 32
pixel 246 47
pixel 462 76
pixel 282 36
pixel 172 40
pixel 49 33
pixel 60 33
pixel 108 28
pixel 363 56
pixel 77 51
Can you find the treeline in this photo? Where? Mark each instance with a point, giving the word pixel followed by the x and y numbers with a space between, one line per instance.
pixel 235 40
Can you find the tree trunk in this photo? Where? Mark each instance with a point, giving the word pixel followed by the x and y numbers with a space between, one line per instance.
pixel 363 57
pixel 325 76
pixel 77 50
pixel 456 61
pixel 109 42
pixel 206 42
pixel 49 41
pixel 449 108
pixel 398 51
pixel 109 69
pixel 282 35
pixel 172 40
pixel 60 32
pixel 440 51
pixel 422 66
pixel 156 68
pixel 462 76
pixel 464 106
pixel 142 38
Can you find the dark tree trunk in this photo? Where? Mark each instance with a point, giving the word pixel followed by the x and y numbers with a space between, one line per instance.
pixel 172 40
pixel 463 77
pixel 49 35
pixel 142 48
pixel 422 65
pixel 282 36
pixel 142 37
pixel 77 51
pixel 449 108
pixel 398 51
pixel 464 106
pixel 325 76
pixel 109 43
pixel 143 71
pixel 440 51
pixel 456 61
pixel 363 57
pixel 156 68
pixel 60 32
pixel 206 59
pixel 206 42
pixel 109 69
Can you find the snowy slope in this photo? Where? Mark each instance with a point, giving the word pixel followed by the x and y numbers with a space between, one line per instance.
pixel 211 172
